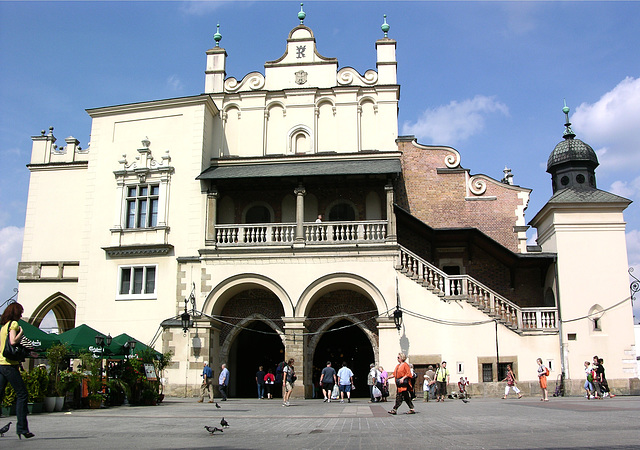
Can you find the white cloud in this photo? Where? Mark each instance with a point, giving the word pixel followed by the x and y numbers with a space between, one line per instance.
pixel 10 253
pixel 175 84
pixel 610 125
pixel 628 189
pixel 199 8
pixel 455 122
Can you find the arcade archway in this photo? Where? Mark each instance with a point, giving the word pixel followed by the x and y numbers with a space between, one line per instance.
pixel 256 345
pixel 344 341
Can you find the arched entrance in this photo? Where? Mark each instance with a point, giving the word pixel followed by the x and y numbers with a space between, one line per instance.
pixel 345 341
pixel 256 345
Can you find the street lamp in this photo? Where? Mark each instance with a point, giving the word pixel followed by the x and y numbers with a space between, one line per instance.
pixel 397 318
pixel 130 345
pixel 103 342
pixel 185 317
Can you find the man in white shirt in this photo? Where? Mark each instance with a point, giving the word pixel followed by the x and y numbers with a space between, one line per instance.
pixel 372 380
pixel 345 382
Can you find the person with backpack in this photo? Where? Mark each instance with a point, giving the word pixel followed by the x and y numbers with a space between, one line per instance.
pixel 288 378
pixel 543 373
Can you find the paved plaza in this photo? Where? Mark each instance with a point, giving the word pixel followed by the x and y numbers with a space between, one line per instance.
pixel 178 423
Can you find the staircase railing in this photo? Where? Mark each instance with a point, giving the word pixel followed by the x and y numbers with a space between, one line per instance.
pixel 465 287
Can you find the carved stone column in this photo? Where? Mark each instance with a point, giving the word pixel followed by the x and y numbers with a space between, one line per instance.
pixel 212 208
pixel 391 216
pixel 300 192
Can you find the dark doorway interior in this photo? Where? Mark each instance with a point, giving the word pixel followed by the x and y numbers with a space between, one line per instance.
pixel 258 345
pixel 348 344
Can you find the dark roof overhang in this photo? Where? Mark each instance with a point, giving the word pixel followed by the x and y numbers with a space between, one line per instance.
pixel 238 168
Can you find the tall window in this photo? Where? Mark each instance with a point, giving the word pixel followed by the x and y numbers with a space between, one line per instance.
pixel 142 206
pixel 137 281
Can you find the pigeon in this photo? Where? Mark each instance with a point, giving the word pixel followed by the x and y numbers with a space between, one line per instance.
pixel 213 429
pixel 4 429
pixel 464 400
pixel 224 423
pixel 217 406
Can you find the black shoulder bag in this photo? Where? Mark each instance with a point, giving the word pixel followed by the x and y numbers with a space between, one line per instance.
pixel 15 352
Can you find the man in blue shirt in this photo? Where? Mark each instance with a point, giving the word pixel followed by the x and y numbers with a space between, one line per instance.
pixel 223 382
pixel 207 383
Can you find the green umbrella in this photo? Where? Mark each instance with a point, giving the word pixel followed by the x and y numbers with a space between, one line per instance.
pixel 82 339
pixel 40 340
pixel 120 347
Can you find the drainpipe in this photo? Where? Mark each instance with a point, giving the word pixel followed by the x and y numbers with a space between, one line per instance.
pixel 562 361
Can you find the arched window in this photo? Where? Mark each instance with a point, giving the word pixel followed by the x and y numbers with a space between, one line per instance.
pixel 258 214
pixel 342 212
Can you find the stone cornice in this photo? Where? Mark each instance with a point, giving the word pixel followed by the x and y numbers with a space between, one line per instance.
pixel 138 250
pixel 203 99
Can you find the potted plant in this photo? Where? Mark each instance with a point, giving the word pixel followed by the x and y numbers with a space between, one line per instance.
pixel 9 401
pixel 92 370
pixel 37 382
pixel 56 354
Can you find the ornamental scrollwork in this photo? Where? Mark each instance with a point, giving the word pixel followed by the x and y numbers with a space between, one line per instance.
pixel 348 75
pixel 452 160
pixel 253 81
pixel 477 186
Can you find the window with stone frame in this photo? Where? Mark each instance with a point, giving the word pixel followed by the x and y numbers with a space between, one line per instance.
pixel 137 282
pixel 142 206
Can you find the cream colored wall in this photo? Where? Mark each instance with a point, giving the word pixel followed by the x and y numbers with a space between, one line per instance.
pixel 592 270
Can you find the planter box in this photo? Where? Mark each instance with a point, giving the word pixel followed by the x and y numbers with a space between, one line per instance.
pixel 9 410
pixel 35 408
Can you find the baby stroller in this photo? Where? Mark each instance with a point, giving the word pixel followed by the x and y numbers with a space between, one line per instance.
pixel 559 392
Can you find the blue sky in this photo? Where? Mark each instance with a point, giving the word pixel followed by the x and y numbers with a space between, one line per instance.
pixel 487 78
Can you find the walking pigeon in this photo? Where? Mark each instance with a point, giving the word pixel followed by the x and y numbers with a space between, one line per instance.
pixel 224 423
pixel 217 406
pixel 4 429
pixel 213 429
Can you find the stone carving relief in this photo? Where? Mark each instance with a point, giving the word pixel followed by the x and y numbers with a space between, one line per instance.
pixel 349 75
pixel 253 81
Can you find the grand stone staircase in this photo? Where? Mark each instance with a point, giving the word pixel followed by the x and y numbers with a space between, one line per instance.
pixel 541 320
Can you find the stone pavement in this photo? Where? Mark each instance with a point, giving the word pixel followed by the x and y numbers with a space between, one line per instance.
pixel 178 423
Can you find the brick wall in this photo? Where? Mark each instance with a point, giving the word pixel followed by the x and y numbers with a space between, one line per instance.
pixel 438 197
pixel 251 301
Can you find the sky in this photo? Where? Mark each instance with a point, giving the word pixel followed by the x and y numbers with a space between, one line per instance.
pixel 487 78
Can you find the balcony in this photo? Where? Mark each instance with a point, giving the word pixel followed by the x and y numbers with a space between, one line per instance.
pixel 312 233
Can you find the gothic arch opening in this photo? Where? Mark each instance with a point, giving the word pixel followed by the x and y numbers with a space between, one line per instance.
pixel 250 337
pixel 256 345
pixel 343 327
pixel 62 308
pixel 342 342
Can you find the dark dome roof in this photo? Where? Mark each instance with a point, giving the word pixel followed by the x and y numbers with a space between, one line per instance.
pixel 571 150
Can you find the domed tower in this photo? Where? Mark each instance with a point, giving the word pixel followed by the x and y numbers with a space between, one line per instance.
pixel 572 163
pixel 584 226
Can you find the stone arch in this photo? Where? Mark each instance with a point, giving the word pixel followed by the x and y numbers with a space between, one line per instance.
pixel 265 205
pixel 63 308
pixel 230 338
pixel 336 281
pixel 300 139
pixel 344 201
pixel 315 338
pixel 226 289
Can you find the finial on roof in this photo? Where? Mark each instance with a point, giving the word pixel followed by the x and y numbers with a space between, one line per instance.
pixel 385 26
pixel 301 14
pixel 217 37
pixel 568 132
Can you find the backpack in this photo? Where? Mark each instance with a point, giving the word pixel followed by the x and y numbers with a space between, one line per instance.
pixel 279 371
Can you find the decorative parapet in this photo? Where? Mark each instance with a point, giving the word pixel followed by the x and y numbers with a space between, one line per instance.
pixel 350 76
pixel 253 81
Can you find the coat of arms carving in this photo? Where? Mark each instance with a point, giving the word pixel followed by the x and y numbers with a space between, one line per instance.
pixel 301 77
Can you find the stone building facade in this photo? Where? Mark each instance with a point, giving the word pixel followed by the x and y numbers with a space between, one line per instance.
pixel 208 204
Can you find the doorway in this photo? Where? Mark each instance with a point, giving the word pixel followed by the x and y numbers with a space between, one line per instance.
pixel 345 341
pixel 257 345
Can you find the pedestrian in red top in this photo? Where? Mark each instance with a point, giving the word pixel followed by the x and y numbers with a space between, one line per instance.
pixel 402 375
